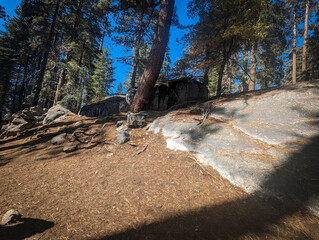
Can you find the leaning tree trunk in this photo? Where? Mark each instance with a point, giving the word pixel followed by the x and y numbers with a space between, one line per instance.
pixel 46 56
pixel 251 85
pixel 156 56
pixel 294 47
pixel 305 36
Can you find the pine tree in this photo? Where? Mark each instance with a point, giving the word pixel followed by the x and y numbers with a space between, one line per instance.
pixel 119 89
pixel 102 78
pixel 156 57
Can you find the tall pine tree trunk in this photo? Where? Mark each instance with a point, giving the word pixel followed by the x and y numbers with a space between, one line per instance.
pixel 251 85
pixel 156 57
pixel 294 48
pixel 46 55
pixel 305 36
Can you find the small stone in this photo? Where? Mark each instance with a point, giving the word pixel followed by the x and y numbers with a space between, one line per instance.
pixel 11 216
pixel 122 128
pixel 78 123
pixel 136 120
pixel 119 123
pixel 123 137
pixel 59 139
pixel 70 147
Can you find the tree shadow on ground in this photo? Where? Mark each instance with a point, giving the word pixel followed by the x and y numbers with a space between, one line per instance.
pixel 29 133
pixel 285 192
pixel 26 228
pixel 42 138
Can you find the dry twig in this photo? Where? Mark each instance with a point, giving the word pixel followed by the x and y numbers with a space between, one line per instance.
pixel 143 150
pixel 133 144
pixel 207 111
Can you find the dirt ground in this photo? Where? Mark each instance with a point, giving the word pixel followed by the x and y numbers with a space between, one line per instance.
pixel 109 191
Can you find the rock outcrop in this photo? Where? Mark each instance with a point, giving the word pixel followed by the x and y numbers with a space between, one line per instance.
pixel 23 120
pixel 103 108
pixel 55 113
pixel 174 92
pixel 165 95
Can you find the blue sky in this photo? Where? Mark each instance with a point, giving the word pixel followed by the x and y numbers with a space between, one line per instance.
pixel 121 70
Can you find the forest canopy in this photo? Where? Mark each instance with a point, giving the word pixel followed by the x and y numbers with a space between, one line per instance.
pixel 54 51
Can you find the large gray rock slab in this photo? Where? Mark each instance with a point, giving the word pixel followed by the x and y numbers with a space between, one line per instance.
pixel 259 146
pixel 279 117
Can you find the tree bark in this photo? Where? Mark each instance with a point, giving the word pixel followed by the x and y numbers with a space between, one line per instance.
pixel 251 85
pixel 62 81
pixel 220 76
pixel 294 47
pixel 305 36
pixel 46 56
pixel 137 51
pixel 135 64
pixel 156 57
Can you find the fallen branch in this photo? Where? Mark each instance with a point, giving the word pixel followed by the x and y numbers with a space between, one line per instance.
pixel 143 150
pixel 110 143
pixel 207 111
pixel 133 144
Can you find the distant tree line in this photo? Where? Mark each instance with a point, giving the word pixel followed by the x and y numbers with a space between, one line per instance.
pixel 252 42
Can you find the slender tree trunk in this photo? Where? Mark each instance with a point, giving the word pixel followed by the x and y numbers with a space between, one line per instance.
pixel 14 106
pixel 220 76
pixel 137 51
pixel 294 47
pixel 206 79
pixel 24 80
pixel 103 33
pixel 135 64
pixel 61 81
pixel 46 55
pixel 156 57
pixel 3 98
pixel 251 85
pixel 305 36
pixel 244 85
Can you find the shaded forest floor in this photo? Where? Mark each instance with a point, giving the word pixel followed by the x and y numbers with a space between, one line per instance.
pixel 109 191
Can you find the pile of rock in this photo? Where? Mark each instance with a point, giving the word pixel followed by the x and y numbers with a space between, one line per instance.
pixel 56 113
pixel 33 116
pixel 23 120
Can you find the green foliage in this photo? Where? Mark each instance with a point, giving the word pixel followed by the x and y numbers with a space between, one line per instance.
pixel 120 89
pixel 102 78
